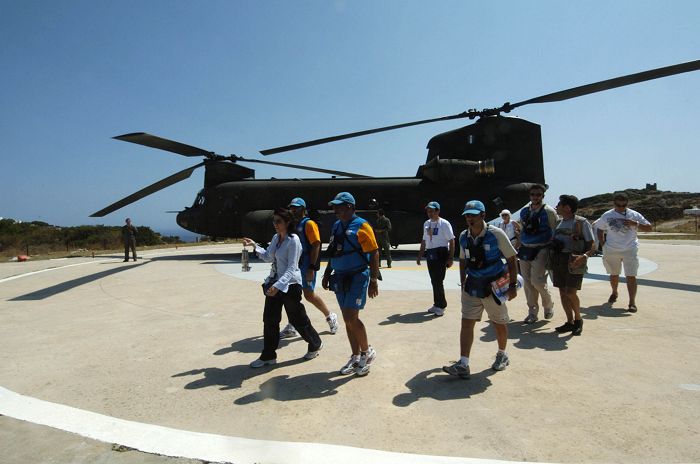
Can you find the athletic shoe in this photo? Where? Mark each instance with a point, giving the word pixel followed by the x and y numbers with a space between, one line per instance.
pixel 501 362
pixel 289 332
pixel 350 366
pixel 432 309
pixel 261 362
pixel 578 327
pixel 438 311
pixel 311 354
pixel 530 319
pixel 567 327
pixel 365 362
pixel 457 369
pixel 332 320
pixel 548 313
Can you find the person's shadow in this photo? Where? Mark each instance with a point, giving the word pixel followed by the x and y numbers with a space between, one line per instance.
pixel 230 377
pixel 603 310
pixel 253 345
pixel 302 387
pixel 438 385
pixel 409 318
pixel 530 336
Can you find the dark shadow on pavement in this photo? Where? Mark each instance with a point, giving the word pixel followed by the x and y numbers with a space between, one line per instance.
pixel 443 387
pixel 302 387
pixel 230 377
pixel 253 345
pixel 409 318
pixel 603 310
pixel 71 284
pixel 650 283
pixel 207 258
pixel 539 335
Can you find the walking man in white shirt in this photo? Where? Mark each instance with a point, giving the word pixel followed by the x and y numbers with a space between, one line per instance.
pixel 438 246
pixel 617 231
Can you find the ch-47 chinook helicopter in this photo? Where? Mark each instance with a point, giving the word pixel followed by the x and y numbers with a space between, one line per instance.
pixel 495 159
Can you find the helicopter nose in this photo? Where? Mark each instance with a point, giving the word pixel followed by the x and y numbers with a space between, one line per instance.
pixel 186 220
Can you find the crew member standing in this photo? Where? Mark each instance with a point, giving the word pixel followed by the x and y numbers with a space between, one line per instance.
pixel 438 246
pixel 382 231
pixel 129 238
pixel 511 228
pixel 352 274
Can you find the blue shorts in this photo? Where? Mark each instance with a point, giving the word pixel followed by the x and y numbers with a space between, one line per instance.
pixel 310 284
pixel 356 295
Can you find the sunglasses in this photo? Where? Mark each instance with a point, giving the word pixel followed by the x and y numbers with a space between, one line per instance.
pixel 277 221
pixel 536 194
pixel 471 215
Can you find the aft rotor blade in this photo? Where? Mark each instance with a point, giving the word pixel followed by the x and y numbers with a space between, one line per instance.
pixel 153 141
pixel 161 184
pixel 306 168
pixel 311 143
pixel 612 83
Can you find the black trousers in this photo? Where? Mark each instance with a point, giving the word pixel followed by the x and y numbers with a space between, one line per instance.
pixel 437 267
pixel 296 313
pixel 129 244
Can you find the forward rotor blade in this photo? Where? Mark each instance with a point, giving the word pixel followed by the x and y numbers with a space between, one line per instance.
pixel 153 141
pixel 613 83
pixel 161 184
pixel 311 143
pixel 299 166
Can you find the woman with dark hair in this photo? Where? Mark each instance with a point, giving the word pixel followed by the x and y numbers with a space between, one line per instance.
pixel 283 288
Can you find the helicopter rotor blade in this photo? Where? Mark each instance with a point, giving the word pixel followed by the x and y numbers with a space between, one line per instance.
pixel 299 166
pixel 336 138
pixel 612 83
pixel 552 97
pixel 153 141
pixel 161 184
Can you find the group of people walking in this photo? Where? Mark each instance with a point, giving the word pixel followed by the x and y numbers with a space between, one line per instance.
pixel 544 240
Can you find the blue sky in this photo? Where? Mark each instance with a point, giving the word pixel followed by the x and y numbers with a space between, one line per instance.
pixel 241 76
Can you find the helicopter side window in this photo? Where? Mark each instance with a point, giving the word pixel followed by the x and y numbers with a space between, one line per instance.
pixel 199 201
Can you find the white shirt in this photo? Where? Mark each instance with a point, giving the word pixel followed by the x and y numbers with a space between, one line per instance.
pixel 437 234
pixel 285 260
pixel 620 237
pixel 509 229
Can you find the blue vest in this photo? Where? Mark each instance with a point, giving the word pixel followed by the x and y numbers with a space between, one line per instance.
pixel 492 265
pixel 352 258
pixel 535 227
pixel 305 245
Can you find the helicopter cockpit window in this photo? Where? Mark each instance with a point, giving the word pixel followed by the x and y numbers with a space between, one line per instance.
pixel 199 201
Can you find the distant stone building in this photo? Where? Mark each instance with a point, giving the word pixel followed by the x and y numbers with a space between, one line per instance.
pixel 651 187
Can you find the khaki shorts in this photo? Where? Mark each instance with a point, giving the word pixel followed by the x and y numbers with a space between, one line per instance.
pixel 473 307
pixel 614 260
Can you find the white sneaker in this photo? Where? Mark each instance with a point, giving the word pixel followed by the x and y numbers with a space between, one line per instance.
pixel 438 311
pixel 313 354
pixel 289 332
pixel 350 366
pixel 332 320
pixel 365 362
pixel 261 363
pixel 432 309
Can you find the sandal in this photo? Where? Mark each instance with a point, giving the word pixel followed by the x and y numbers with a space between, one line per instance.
pixel 632 308
pixel 613 298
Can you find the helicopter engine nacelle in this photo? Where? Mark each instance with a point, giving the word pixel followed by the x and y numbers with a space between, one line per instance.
pixel 455 170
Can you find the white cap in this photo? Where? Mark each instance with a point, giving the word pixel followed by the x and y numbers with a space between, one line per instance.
pixel 505 211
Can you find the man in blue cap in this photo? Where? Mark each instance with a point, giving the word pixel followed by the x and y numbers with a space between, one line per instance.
pixel 482 248
pixel 352 273
pixel 438 246
pixel 307 231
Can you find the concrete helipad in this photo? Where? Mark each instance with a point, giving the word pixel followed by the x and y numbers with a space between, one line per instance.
pixel 153 356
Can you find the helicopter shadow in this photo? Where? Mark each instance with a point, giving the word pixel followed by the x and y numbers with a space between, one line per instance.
pixel 252 345
pixel 530 336
pixel 206 258
pixel 231 377
pixel 408 318
pixel 443 387
pixel 54 290
pixel 302 387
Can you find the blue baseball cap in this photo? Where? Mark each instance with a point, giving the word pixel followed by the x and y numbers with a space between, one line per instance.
pixel 433 205
pixel 341 198
pixel 299 202
pixel 473 207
